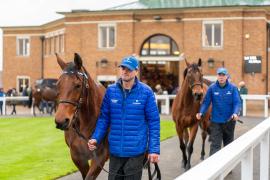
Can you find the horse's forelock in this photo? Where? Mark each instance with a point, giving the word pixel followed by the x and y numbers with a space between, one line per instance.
pixel 71 67
pixel 194 66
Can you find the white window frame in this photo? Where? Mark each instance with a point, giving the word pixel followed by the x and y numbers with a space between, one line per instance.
pixel 213 22
pixel 24 46
pixel 17 81
pixel 108 36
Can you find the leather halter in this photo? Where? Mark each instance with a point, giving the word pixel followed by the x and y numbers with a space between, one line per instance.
pixel 79 102
pixel 196 84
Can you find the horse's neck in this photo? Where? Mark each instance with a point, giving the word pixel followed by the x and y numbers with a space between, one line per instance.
pixel 89 110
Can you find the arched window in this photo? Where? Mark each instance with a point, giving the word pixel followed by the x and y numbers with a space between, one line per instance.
pixel 159 45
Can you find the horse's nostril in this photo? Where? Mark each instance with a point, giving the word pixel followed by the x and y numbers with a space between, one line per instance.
pixel 62 126
pixel 66 120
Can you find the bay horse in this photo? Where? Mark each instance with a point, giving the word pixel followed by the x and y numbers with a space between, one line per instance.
pixel 185 107
pixel 79 101
pixel 47 94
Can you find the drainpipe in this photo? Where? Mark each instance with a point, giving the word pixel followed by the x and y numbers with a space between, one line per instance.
pixel 267 69
pixel 42 38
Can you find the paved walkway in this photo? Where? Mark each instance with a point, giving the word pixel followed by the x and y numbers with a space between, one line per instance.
pixel 170 161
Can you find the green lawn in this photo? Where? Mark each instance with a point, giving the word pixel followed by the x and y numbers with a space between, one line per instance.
pixel 32 148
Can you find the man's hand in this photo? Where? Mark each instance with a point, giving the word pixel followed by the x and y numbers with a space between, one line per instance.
pixel 92 144
pixel 199 116
pixel 153 158
pixel 235 117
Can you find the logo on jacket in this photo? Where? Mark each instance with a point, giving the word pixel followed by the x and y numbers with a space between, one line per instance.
pixel 136 102
pixel 229 92
pixel 216 93
pixel 114 100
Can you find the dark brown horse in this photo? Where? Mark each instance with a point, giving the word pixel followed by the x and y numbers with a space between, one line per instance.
pixel 79 100
pixel 43 93
pixel 185 107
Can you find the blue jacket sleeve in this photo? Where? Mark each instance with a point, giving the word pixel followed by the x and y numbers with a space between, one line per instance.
pixel 152 117
pixel 206 101
pixel 103 121
pixel 236 101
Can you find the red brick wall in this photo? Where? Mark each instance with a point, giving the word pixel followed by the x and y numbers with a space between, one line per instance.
pixel 83 39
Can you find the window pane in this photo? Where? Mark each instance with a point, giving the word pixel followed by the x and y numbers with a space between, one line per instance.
pixel 20 52
pixel 160 45
pixel 27 47
pixel 175 50
pixel 217 35
pixel 111 37
pixel 103 38
pixel 61 42
pixel 208 35
pixel 145 48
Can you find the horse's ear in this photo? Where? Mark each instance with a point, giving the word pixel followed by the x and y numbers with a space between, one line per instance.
pixel 200 62
pixel 78 61
pixel 61 63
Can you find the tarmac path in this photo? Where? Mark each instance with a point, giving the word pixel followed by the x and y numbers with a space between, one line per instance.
pixel 170 158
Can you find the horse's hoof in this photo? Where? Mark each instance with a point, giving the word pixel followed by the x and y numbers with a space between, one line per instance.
pixel 183 165
pixel 187 167
pixel 202 157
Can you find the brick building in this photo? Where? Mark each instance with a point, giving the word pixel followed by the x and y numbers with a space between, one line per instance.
pixel 230 33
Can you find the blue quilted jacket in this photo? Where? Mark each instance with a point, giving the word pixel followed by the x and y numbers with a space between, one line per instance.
pixel 133 119
pixel 225 102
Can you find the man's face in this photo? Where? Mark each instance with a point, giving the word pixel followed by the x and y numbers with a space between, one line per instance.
pixel 222 78
pixel 126 74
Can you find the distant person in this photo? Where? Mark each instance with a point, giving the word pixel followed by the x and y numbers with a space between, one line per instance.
pixel 13 103
pixel 158 89
pixel 1 101
pixel 242 91
pixel 242 88
pixel 225 100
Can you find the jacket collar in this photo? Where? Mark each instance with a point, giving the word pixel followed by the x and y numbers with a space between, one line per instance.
pixel 226 84
pixel 119 83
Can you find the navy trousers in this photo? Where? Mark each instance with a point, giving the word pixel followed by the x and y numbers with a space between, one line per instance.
pixel 221 132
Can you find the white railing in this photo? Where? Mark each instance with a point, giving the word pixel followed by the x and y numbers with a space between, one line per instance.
pixel 165 108
pixel 165 99
pixel 221 163
pixel 11 98
pixel 255 97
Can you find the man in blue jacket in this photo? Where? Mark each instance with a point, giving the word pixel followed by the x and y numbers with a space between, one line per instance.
pixel 226 103
pixel 130 112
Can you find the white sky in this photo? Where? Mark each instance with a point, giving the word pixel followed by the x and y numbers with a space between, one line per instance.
pixel 37 12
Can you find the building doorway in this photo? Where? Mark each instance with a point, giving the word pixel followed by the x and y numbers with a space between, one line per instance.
pixel 159 60
pixel 161 76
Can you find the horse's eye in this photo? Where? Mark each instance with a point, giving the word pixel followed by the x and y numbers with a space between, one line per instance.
pixel 78 86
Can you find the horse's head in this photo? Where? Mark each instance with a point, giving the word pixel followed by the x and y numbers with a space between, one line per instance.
pixel 71 88
pixel 194 77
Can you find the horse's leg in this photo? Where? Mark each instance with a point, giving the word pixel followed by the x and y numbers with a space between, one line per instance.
pixel 94 170
pixel 183 148
pixel 192 136
pixel 204 135
pixel 97 164
pixel 204 124
pixel 81 163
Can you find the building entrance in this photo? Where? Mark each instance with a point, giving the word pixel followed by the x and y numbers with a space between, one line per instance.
pixel 161 76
